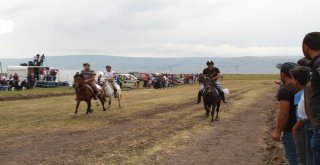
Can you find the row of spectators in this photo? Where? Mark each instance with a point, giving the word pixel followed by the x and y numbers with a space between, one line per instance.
pixel 159 81
pixel 28 82
pixel 13 81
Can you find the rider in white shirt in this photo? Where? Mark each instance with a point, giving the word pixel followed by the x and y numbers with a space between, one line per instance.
pixel 110 76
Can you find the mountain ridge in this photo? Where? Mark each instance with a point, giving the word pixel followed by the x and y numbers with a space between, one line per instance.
pixel 235 65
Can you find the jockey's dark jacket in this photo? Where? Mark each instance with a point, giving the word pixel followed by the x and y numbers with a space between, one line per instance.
pixel 315 87
pixel 88 73
pixel 211 73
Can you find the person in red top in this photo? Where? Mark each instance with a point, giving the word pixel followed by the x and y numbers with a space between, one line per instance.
pixel 145 80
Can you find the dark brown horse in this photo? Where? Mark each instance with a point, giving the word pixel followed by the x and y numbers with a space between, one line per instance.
pixel 85 93
pixel 211 98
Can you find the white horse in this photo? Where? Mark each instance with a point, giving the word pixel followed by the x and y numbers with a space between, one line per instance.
pixel 110 92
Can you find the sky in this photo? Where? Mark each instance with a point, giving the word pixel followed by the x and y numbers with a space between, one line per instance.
pixel 156 28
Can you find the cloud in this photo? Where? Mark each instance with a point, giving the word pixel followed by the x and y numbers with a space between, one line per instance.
pixel 6 26
pixel 163 28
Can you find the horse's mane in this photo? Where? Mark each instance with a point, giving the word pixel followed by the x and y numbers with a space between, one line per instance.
pixel 78 75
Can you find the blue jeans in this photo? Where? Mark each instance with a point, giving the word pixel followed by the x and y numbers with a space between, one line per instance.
pixel 290 149
pixel 300 142
pixel 315 146
pixel 309 133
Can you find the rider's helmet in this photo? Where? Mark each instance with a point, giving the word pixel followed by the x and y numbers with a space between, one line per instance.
pixel 108 66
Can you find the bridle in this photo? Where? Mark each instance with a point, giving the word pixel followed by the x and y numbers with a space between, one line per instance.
pixel 78 86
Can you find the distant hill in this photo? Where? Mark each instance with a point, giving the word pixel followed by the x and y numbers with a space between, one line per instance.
pixel 237 65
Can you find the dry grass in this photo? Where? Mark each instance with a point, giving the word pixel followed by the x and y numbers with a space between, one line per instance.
pixel 164 118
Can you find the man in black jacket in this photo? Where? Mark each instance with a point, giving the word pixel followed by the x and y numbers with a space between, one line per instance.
pixel 311 50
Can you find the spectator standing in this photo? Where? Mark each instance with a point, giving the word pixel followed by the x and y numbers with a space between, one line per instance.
pixel 31 80
pixel 300 76
pixel 311 50
pixel 16 80
pixel 145 80
pixel 287 113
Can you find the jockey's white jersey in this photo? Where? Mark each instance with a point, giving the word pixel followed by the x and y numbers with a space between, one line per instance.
pixel 108 75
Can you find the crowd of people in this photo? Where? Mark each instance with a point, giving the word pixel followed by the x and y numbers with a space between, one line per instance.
pixel 16 82
pixel 298 120
pixel 13 81
pixel 163 80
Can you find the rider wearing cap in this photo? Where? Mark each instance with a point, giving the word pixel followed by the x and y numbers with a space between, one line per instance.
pixel 110 76
pixel 214 74
pixel 89 76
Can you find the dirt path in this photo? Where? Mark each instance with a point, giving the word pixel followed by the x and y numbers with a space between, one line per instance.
pixel 174 133
pixel 235 140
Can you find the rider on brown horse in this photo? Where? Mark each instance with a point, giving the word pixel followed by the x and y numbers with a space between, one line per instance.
pixel 89 76
pixel 214 74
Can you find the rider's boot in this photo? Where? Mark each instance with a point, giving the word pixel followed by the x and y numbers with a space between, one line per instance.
pixel 115 93
pixel 95 95
pixel 199 97
pixel 223 97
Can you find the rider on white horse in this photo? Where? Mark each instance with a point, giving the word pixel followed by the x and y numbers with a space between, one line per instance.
pixel 110 77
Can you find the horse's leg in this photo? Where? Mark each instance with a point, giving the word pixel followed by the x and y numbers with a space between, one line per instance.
pixel 109 103
pixel 89 110
pixel 207 108
pixel 218 109
pixel 119 101
pixel 213 108
pixel 102 102
pixel 77 107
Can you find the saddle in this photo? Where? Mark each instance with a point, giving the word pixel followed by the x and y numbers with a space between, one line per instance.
pixel 215 89
pixel 99 88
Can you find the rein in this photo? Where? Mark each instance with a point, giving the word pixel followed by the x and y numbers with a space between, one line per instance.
pixel 83 86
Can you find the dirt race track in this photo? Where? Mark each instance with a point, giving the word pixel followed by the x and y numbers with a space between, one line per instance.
pixel 153 127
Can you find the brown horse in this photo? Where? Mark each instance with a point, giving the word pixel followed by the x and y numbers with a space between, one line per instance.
pixel 85 93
